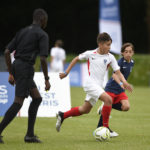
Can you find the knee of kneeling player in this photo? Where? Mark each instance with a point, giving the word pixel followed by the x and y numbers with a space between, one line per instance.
pixel 125 107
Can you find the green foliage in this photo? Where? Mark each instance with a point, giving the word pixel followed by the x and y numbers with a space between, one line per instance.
pixel 76 132
pixel 37 65
pixel 141 72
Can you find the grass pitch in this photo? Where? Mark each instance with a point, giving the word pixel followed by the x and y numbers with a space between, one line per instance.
pixel 76 133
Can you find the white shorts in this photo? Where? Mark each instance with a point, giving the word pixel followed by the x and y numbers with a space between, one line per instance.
pixel 93 92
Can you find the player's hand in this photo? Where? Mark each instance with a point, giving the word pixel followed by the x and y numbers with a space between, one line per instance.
pixel 47 85
pixel 128 87
pixel 122 86
pixel 11 79
pixel 62 75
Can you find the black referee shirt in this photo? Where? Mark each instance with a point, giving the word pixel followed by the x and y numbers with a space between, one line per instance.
pixel 29 42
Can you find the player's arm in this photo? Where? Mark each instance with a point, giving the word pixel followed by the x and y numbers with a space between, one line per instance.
pixel 9 66
pixel 44 66
pixel 116 69
pixel 73 62
pixel 126 85
pixel 115 77
pixel 8 60
pixel 43 47
pixel 45 72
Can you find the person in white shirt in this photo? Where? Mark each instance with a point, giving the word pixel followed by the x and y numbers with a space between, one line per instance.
pixel 98 62
pixel 12 56
pixel 58 57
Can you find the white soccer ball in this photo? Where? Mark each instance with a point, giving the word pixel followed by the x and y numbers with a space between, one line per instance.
pixel 102 134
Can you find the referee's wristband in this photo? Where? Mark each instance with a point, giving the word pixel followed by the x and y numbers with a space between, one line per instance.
pixel 65 73
pixel 47 78
pixel 120 83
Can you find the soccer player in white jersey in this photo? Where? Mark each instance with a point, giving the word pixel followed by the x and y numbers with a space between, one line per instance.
pixel 58 57
pixel 98 62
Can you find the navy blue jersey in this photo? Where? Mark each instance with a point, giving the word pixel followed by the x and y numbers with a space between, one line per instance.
pixel 125 68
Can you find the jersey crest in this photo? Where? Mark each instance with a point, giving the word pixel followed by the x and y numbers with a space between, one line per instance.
pixel 105 61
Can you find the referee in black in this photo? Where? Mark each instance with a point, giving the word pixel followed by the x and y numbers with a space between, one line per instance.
pixel 28 42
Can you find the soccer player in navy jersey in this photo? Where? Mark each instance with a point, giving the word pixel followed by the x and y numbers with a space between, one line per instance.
pixel 115 90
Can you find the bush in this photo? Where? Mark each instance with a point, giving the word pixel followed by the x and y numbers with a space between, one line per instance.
pixel 141 72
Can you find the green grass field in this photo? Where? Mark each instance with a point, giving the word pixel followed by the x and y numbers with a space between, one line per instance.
pixel 76 133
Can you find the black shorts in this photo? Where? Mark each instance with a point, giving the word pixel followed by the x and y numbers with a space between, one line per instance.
pixel 23 74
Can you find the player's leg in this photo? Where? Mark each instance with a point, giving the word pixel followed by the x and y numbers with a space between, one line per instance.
pixel 112 95
pixel 20 92
pixel 32 113
pixel 106 110
pixel 117 106
pixel 121 102
pixel 100 123
pixel 10 114
pixel 104 117
pixel 125 105
pixel 75 111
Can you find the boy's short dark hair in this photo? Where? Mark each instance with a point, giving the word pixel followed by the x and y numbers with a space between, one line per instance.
pixel 103 37
pixel 126 45
pixel 39 15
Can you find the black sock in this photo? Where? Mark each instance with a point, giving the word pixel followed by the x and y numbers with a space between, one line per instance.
pixel 117 106
pixel 100 123
pixel 9 115
pixel 32 112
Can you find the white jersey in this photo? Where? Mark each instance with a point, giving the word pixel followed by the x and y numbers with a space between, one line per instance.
pixel 97 66
pixel 59 56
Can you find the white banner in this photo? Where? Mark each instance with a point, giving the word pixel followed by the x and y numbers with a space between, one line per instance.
pixel 109 21
pixel 58 98
pixel 114 30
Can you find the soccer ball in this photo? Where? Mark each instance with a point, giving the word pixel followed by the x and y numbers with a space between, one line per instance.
pixel 102 134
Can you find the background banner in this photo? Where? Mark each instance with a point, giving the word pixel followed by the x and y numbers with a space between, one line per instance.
pixel 58 98
pixel 7 93
pixel 109 21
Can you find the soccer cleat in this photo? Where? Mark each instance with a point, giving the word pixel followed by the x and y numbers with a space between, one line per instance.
pixel 32 139
pixel 113 133
pixel 59 120
pixel 99 110
pixel 1 141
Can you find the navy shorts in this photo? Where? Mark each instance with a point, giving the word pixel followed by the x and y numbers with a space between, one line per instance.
pixel 23 74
